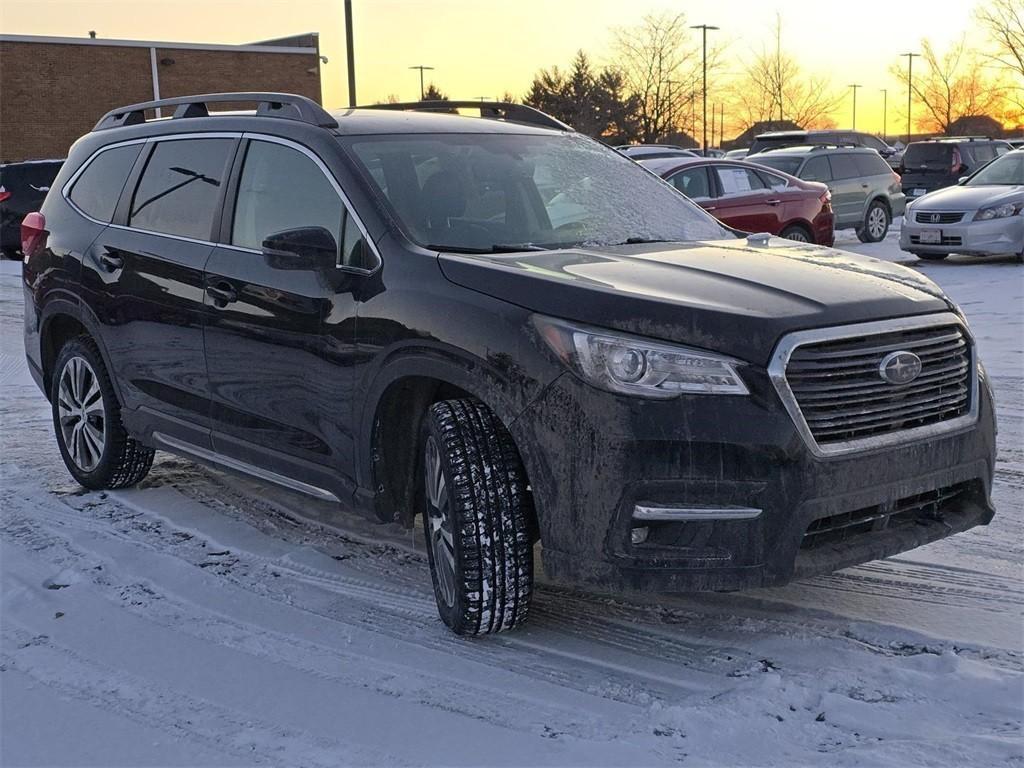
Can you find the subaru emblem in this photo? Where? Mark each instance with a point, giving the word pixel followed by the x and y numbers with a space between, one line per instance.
pixel 900 367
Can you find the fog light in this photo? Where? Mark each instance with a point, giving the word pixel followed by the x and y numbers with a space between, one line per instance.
pixel 639 534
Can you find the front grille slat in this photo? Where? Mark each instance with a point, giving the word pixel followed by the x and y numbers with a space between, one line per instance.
pixel 842 396
pixel 944 217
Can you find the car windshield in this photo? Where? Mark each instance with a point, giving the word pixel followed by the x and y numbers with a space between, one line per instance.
pixel 1006 170
pixel 788 165
pixel 483 192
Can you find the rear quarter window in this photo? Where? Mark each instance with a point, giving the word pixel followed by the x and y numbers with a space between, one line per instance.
pixel 98 187
pixel 872 165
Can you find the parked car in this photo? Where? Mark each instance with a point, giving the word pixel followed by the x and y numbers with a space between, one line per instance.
pixel 777 139
pixel 982 215
pixel 709 152
pixel 751 198
pixel 736 154
pixel 866 193
pixel 937 163
pixel 1016 143
pixel 654 151
pixel 374 307
pixel 22 189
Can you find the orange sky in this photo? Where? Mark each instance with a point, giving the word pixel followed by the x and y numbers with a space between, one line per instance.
pixel 485 47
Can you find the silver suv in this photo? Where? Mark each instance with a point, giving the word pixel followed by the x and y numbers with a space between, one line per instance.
pixel 866 192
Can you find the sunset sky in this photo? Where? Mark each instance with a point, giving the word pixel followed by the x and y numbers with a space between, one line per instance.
pixel 486 47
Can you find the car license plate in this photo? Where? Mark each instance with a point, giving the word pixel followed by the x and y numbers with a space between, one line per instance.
pixel 917 192
pixel 933 236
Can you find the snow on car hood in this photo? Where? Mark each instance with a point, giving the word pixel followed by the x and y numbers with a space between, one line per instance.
pixel 969 198
pixel 729 296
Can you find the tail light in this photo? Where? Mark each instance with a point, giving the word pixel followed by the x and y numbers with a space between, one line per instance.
pixel 33 234
pixel 826 200
pixel 4 194
pixel 957 161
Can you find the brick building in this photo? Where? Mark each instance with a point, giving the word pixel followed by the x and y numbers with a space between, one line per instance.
pixel 54 89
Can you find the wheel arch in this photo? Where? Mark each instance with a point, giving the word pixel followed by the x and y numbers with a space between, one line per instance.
pixel 61 321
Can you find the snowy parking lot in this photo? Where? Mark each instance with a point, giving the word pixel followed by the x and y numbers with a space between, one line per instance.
pixel 203 619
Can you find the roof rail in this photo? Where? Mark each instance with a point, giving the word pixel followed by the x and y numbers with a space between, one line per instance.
pixel 494 110
pixel 961 138
pixel 287 105
pixel 812 147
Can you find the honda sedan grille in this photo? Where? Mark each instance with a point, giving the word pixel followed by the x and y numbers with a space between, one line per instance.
pixel 937 217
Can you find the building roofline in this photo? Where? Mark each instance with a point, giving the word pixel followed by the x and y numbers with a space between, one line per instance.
pixel 162 44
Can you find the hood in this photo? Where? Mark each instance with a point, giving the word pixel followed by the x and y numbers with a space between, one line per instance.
pixel 968 198
pixel 728 296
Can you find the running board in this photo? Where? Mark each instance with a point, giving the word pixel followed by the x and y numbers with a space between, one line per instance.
pixel 196 452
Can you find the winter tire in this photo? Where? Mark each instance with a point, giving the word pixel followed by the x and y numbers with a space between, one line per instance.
pixel 876 223
pixel 476 518
pixel 93 442
pixel 796 233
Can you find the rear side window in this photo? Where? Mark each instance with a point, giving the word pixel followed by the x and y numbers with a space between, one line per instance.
pixel 99 186
pixel 844 167
pixel 280 189
pixel 178 191
pixel 817 169
pixel 871 165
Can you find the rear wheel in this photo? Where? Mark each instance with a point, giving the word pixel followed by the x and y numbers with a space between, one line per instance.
pixel 797 233
pixel 93 442
pixel 931 256
pixel 876 223
pixel 476 518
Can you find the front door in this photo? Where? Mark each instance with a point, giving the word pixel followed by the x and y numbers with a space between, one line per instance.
pixel 279 401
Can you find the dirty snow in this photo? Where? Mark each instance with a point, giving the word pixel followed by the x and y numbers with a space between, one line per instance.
pixel 203 619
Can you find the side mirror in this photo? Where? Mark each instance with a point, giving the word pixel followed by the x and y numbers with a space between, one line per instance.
pixel 962 179
pixel 301 248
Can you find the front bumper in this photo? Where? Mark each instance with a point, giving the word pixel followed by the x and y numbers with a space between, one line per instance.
pixel 975 238
pixel 733 453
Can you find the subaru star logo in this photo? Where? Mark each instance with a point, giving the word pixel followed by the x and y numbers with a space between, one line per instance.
pixel 900 367
pixel 936 218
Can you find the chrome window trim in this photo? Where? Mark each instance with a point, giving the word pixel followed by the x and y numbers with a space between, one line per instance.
pixel 349 209
pixel 789 343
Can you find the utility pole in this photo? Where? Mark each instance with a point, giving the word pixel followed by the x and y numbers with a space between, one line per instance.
pixel 421 67
pixel 910 87
pixel 704 34
pixel 855 86
pixel 351 54
pixel 885 115
pixel 721 126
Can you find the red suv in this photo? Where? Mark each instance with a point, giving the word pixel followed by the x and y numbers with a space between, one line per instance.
pixel 751 198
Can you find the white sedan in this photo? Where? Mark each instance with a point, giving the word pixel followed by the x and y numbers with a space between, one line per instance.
pixel 982 215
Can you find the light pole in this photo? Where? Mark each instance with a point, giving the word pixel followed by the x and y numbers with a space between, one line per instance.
pixel 910 86
pixel 704 34
pixel 885 115
pixel 855 86
pixel 351 54
pixel 421 67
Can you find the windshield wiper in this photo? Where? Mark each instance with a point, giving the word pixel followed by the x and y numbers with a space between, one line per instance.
pixel 496 248
pixel 641 240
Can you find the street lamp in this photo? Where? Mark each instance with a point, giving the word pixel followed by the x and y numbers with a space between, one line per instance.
pixel 855 86
pixel 885 115
pixel 704 34
pixel 910 86
pixel 421 67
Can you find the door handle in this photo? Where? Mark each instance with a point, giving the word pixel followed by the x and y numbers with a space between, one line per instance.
pixel 111 260
pixel 709 207
pixel 222 293
pixel 773 202
pixel 863 186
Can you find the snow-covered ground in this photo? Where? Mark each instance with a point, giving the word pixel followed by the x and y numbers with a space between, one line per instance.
pixel 206 620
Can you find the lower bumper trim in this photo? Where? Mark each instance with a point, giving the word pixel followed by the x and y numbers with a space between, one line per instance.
pixel 654 512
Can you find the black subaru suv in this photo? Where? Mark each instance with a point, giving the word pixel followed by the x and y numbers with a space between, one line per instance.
pixel 506 327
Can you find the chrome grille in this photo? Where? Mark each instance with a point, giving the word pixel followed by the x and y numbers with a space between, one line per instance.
pixel 834 386
pixel 943 217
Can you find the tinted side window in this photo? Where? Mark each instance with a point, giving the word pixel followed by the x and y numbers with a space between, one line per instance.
pixel 844 167
pixel 178 191
pixel 871 165
pixel 99 186
pixel 873 142
pixel 816 169
pixel 280 189
pixel 693 182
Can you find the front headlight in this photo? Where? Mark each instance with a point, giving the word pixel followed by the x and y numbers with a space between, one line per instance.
pixel 998 211
pixel 633 365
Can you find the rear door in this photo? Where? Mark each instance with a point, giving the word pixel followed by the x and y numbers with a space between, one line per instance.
pixel 144 279
pixel 745 201
pixel 849 190
pixel 278 401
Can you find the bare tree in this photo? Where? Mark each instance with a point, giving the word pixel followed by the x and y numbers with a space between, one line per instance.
pixel 954 84
pixel 657 62
pixel 774 87
pixel 1003 20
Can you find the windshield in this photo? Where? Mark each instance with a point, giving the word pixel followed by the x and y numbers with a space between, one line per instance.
pixel 1008 169
pixel 501 192
pixel 788 165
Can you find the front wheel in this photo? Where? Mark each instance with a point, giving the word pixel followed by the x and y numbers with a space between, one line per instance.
pixel 876 223
pixel 96 449
pixel 476 517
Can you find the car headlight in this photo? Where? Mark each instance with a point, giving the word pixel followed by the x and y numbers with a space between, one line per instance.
pixel 998 211
pixel 633 365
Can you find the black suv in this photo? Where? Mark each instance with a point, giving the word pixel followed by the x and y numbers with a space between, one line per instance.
pixel 939 163
pixel 506 327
